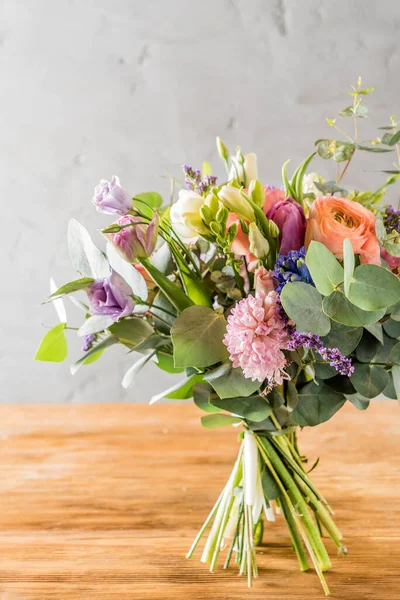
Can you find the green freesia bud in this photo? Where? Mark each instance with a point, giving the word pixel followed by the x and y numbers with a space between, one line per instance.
pixel 256 192
pixel 215 227
pixel 213 203
pixel 232 198
pixel 222 215
pixel 222 149
pixel 206 214
pixel 259 246
pixel 232 231
pixel 273 229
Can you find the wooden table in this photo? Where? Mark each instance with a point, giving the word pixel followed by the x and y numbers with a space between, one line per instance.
pixel 102 502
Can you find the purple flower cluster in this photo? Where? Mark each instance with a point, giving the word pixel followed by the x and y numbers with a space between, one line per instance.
pixel 88 341
pixel 332 355
pixel 391 219
pixel 291 267
pixel 196 182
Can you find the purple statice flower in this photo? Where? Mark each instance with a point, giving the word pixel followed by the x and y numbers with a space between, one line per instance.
pixel 88 341
pixel 196 182
pixel 391 219
pixel 291 267
pixel 110 198
pixel 111 296
pixel 333 356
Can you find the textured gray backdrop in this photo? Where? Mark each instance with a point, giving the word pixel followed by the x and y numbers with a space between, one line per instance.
pixel 137 88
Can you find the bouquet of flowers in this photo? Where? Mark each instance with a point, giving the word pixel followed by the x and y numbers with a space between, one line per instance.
pixel 277 305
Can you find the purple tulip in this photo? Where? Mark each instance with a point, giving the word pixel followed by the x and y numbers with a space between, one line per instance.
pixel 136 241
pixel 111 296
pixel 110 198
pixel 289 216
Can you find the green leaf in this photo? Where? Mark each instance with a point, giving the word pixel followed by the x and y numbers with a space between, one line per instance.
pixel 298 176
pixel 348 263
pixel 389 391
pixel 164 320
pixel 72 286
pixel 395 139
pixel 394 356
pixel 131 332
pixel 373 288
pixel 86 258
pixel 179 391
pixel 53 347
pixel 254 408
pixel 343 337
pixel 229 382
pixel 146 201
pixel 329 187
pixel 369 380
pixel 376 330
pixel 396 380
pixel 317 403
pixel 375 149
pixel 341 384
pixel 165 362
pixel 303 304
pixel 270 487
pixel 93 354
pixel 325 269
pixel 338 150
pixel 392 328
pixel 218 420
pixel 368 348
pixel 340 309
pixel 197 337
pixel 202 396
pixel 173 292
pixel 323 370
pixel 358 401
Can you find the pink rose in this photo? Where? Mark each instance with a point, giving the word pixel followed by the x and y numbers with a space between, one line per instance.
pixel 264 280
pixel 333 219
pixel 392 261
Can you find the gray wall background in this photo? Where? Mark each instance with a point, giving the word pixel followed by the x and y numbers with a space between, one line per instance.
pixel 137 88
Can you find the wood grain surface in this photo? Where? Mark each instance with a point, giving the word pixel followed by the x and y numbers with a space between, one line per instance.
pixel 102 502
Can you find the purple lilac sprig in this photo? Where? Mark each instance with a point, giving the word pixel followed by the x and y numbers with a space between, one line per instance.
pixel 333 356
pixel 291 267
pixel 391 219
pixel 196 182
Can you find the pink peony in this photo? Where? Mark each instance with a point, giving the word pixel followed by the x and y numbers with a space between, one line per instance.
pixel 255 337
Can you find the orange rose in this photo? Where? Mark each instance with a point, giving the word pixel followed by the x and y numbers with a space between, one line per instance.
pixel 332 220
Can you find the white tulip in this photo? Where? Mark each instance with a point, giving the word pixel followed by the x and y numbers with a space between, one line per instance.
pixel 185 216
pixel 244 168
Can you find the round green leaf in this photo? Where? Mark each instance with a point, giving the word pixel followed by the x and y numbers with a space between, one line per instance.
pixel 317 403
pixel 369 380
pixel 254 408
pixel 325 269
pixel 339 309
pixel 303 304
pixel 373 288
pixel 53 347
pixel 229 382
pixel 392 328
pixel 343 337
pixel 358 401
pixel 218 420
pixel 197 337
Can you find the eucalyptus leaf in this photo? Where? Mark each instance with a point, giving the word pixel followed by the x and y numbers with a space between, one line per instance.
pixel 396 380
pixel 373 288
pixel 135 369
pixel 218 420
pixel 376 330
pixel 340 309
pixel 343 337
pixel 392 328
pixel 95 351
pixel 202 396
pixel 182 390
pixel 165 362
pixel 326 271
pixel 358 401
pixel 317 403
pixel 303 304
pixel 72 286
pixel 95 324
pixel 291 396
pixel 369 380
pixel 255 408
pixel 131 332
pixel 53 347
pixel 375 149
pixel 197 337
pixel 329 187
pixel 394 356
pixel 86 258
pixel 389 391
pixel 229 382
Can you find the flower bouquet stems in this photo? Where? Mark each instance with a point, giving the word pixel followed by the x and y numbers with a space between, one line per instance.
pixel 268 471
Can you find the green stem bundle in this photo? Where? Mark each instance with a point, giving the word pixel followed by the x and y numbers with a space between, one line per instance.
pixel 235 520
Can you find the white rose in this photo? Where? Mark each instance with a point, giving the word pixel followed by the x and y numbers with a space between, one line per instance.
pixel 185 216
pixel 246 171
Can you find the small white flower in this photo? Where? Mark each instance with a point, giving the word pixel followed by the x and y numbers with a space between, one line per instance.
pixel 308 184
pixel 185 216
